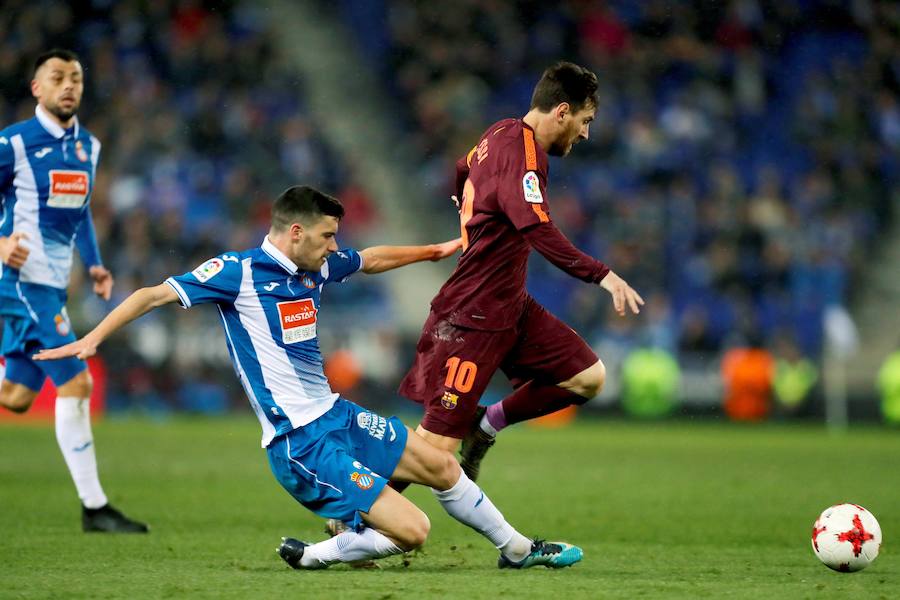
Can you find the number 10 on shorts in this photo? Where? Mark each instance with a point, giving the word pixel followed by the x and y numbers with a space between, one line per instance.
pixel 460 374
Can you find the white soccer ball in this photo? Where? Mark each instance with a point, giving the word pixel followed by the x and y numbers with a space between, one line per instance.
pixel 846 537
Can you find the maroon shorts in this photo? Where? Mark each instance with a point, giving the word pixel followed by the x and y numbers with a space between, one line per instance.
pixel 454 365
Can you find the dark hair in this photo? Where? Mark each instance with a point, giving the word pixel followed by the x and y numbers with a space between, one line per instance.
pixel 565 82
pixel 304 204
pixel 66 55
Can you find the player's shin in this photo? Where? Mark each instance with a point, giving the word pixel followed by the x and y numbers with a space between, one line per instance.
pixel 530 401
pixel 73 432
pixel 468 504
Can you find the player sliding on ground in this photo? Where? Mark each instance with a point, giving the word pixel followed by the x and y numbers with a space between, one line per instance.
pixel 483 319
pixel 330 454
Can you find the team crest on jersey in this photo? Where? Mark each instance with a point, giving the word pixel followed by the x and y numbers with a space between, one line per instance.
pixel 208 270
pixel 79 151
pixel 363 480
pixel 62 324
pixel 68 189
pixel 532 188
pixel 307 282
pixel 449 400
pixel 298 320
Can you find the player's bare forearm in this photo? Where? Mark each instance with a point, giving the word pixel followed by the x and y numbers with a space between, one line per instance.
pixel 137 304
pixel 379 259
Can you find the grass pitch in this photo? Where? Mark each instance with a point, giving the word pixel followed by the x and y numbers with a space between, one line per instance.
pixel 668 510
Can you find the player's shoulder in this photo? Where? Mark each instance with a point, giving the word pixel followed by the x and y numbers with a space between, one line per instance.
pixel 25 127
pixel 225 265
pixel 514 145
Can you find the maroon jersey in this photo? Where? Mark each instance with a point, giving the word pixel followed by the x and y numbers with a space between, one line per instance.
pixel 503 213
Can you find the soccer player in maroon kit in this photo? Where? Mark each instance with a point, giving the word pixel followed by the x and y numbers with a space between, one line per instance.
pixel 483 319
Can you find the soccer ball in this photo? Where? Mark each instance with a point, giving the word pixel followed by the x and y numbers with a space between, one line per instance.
pixel 846 537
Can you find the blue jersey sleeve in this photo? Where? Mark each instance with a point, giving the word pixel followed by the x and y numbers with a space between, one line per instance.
pixel 217 280
pixel 7 161
pixel 341 265
pixel 86 240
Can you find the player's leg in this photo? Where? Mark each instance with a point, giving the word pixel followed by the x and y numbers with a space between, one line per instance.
pixel 76 441
pixel 22 380
pixel 426 464
pixel 551 368
pixel 333 469
pixel 395 525
pixel 452 368
pixel 21 377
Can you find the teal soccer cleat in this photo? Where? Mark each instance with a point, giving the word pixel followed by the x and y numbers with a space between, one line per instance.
pixel 553 555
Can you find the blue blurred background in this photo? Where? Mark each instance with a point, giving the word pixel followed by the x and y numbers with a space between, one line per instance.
pixel 742 174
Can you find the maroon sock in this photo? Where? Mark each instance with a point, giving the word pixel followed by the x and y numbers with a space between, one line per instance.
pixel 534 400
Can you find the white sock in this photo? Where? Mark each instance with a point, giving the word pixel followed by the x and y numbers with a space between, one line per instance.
pixel 466 503
pixel 348 546
pixel 487 427
pixel 73 432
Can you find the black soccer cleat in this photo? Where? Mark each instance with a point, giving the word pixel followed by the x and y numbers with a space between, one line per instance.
pixel 474 446
pixel 291 551
pixel 107 519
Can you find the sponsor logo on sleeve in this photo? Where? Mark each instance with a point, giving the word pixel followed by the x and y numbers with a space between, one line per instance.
pixel 68 189
pixel 532 188
pixel 208 270
pixel 298 320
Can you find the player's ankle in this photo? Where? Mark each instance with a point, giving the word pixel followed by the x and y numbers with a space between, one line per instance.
pixel 493 420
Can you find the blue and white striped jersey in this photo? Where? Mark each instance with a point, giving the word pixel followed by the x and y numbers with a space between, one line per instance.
pixel 269 311
pixel 46 177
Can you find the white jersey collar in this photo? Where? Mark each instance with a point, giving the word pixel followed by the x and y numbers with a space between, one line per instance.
pixel 279 257
pixel 52 127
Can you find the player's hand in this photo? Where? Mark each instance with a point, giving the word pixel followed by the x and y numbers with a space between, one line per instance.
pixel 622 294
pixel 446 249
pixel 82 349
pixel 103 281
pixel 12 252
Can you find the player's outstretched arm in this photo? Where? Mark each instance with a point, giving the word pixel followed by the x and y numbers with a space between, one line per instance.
pixel 379 259
pixel 139 303
pixel 555 247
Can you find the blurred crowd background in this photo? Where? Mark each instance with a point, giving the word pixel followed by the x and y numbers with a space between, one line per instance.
pixel 742 166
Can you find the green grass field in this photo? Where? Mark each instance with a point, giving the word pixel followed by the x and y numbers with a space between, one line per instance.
pixel 667 510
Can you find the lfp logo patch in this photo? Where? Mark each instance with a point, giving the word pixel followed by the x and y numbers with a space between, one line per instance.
pixel 68 189
pixel 298 320
pixel 208 270
pixel 532 188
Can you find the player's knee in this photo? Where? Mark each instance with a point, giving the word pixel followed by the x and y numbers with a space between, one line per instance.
pixel 16 404
pixel 446 472
pixel 415 532
pixel 79 386
pixel 590 382
pixel 16 398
